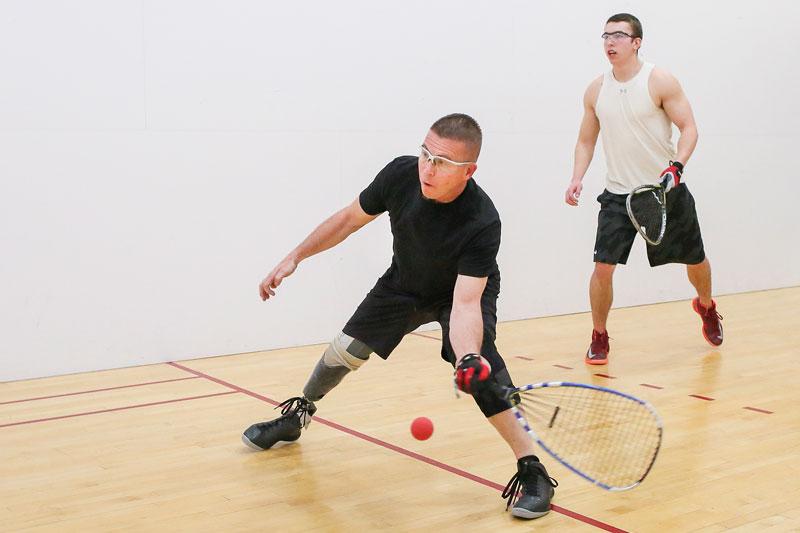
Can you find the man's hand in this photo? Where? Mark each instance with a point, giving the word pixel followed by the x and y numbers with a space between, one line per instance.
pixel 671 177
pixel 573 193
pixel 472 373
pixel 284 269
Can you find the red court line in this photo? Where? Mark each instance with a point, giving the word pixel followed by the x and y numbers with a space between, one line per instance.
pixel 98 390
pixel 113 409
pixel 700 397
pixel 403 451
pixel 565 367
pixel 651 386
pixel 463 473
pixel 605 376
pixel 226 384
pixel 757 410
pixel 426 336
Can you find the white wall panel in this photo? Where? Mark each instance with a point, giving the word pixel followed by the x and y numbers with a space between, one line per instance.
pixel 157 158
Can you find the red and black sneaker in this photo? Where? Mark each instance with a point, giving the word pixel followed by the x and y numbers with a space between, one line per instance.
pixel 597 354
pixel 712 327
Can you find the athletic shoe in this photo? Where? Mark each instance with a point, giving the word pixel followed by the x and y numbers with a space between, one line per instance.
pixel 597 354
pixel 712 327
pixel 532 488
pixel 295 416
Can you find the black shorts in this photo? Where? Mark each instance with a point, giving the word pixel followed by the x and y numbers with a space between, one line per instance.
pixel 682 242
pixel 386 315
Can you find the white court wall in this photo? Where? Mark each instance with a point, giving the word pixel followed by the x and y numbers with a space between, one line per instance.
pixel 157 158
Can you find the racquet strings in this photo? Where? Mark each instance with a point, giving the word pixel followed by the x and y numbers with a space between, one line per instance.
pixel 646 209
pixel 610 438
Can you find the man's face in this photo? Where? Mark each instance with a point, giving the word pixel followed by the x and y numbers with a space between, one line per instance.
pixel 619 47
pixel 441 180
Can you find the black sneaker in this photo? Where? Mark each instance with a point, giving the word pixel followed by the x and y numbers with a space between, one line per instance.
pixel 532 488
pixel 295 415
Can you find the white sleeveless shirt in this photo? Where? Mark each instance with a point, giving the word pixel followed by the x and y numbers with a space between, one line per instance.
pixel 637 135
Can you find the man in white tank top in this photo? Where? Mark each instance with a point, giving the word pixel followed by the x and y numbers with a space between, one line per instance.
pixel 634 106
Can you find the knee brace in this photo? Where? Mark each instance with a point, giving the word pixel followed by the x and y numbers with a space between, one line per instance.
pixel 488 400
pixel 342 355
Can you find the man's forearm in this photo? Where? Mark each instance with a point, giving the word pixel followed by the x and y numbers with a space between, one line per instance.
pixel 331 232
pixel 583 158
pixel 466 330
pixel 686 144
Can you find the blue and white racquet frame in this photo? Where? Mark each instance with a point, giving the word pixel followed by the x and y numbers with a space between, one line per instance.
pixel 607 437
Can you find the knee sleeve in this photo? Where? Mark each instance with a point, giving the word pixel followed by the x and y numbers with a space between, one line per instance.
pixel 342 355
pixel 489 401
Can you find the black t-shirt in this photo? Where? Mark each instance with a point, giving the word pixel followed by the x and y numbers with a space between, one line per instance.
pixel 433 242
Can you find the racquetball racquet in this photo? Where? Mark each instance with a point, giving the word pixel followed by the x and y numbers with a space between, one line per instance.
pixel 647 209
pixel 607 437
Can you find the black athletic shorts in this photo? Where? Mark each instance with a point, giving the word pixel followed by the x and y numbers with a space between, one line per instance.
pixel 682 242
pixel 386 315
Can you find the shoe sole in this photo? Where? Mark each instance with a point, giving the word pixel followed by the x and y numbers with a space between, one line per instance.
pixel 280 444
pixel 524 513
pixel 249 444
pixel 589 361
pixel 695 302
pixel 521 512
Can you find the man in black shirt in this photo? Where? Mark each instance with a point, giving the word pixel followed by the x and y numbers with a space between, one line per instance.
pixel 446 234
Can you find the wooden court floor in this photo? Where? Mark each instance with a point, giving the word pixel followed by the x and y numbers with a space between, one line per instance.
pixel 156 448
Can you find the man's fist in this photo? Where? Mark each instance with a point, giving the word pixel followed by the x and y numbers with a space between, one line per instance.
pixel 472 373
pixel 671 177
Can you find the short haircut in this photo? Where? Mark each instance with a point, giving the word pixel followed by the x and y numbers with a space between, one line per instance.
pixel 460 127
pixel 636 25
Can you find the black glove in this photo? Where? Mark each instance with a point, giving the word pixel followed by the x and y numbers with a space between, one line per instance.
pixel 472 373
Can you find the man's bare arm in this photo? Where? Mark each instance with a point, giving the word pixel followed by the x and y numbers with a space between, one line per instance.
pixel 331 232
pixel 587 140
pixel 466 319
pixel 676 105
